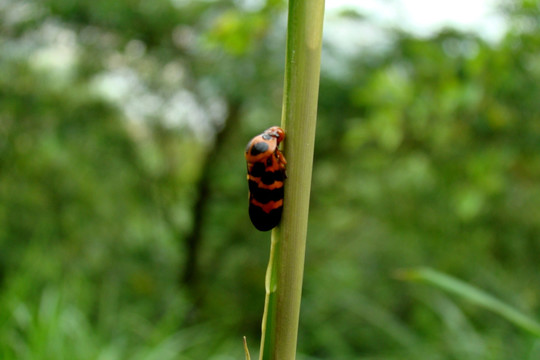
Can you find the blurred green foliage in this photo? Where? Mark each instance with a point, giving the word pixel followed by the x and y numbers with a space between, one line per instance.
pixel 123 217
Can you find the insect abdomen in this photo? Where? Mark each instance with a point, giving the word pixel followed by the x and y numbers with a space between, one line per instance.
pixel 265 197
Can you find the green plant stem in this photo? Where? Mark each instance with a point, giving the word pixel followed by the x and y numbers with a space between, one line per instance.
pixel 286 266
pixel 246 350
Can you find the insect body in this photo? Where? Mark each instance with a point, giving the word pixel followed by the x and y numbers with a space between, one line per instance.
pixel 266 173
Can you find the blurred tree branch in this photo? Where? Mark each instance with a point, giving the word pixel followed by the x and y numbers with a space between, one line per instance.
pixel 194 239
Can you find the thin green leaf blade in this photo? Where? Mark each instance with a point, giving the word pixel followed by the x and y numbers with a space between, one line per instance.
pixel 472 294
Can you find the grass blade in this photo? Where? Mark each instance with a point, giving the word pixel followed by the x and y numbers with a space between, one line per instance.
pixel 472 294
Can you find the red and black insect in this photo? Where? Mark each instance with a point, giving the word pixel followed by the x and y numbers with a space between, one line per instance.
pixel 266 174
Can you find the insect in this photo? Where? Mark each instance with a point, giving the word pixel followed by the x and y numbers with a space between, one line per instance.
pixel 265 175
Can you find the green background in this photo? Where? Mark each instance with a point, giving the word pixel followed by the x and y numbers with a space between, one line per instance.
pixel 123 200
